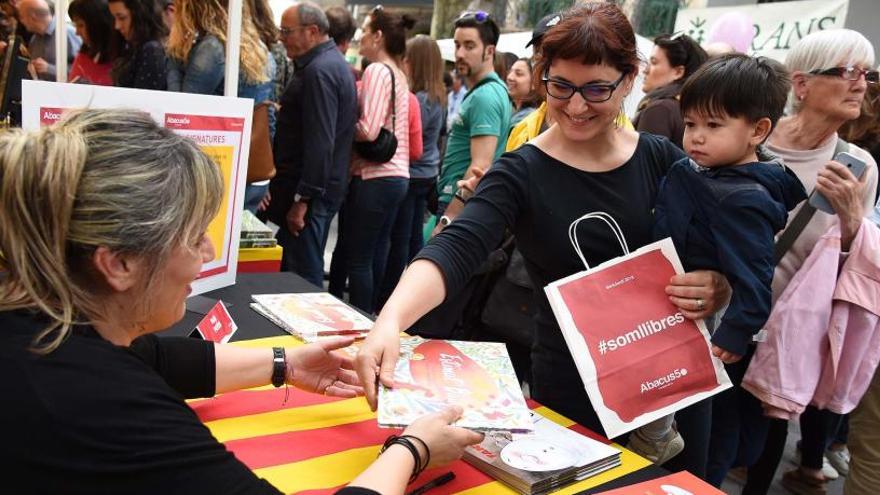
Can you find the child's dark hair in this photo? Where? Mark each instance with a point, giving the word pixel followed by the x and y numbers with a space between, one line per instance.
pixel 483 23
pixel 737 85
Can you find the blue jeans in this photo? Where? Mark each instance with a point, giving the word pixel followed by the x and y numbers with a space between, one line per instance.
pixel 304 254
pixel 253 194
pixel 406 234
pixel 369 216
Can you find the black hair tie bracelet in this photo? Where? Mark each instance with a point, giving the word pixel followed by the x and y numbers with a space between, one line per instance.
pixel 407 441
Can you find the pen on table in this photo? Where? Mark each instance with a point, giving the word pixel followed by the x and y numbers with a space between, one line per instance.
pixel 434 483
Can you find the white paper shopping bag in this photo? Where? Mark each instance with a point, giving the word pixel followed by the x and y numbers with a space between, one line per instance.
pixel 639 358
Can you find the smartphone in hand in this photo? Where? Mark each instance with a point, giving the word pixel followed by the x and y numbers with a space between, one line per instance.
pixel 855 165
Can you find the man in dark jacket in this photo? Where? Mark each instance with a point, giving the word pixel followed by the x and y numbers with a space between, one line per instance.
pixel 313 141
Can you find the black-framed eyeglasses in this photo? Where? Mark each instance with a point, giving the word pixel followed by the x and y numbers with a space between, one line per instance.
pixel 478 15
pixel 849 73
pixel 591 92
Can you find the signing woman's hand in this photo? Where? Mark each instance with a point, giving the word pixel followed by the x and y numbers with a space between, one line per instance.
pixel 316 368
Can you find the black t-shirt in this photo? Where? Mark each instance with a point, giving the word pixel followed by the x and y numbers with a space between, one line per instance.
pixel 538 197
pixel 92 417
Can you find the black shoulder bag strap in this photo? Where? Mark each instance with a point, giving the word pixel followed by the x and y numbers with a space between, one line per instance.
pixel 803 217
pixel 393 106
pixel 486 80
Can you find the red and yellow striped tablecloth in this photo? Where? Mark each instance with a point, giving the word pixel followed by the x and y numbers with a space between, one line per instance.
pixel 314 444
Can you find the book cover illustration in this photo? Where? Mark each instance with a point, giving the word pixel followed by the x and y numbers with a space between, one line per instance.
pixel 478 376
pixel 313 314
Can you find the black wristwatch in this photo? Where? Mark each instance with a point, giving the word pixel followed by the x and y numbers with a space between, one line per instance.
pixel 279 366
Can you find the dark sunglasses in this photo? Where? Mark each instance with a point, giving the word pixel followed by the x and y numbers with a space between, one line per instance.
pixel 478 15
pixel 593 93
pixel 849 73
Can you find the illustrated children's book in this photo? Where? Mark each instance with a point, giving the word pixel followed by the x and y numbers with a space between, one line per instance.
pixel 478 376
pixel 311 315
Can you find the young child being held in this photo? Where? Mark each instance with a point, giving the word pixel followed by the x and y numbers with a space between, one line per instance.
pixel 722 206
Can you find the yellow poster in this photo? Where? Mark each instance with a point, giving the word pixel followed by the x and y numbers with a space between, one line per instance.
pixel 220 125
pixel 223 156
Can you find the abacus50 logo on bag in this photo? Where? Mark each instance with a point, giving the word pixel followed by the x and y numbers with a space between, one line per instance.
pixel 663 381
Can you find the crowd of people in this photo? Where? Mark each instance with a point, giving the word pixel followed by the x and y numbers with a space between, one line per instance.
pixel 430 173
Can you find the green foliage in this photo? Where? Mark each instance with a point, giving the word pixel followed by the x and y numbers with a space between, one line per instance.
pixel 539 8
pixel 655 17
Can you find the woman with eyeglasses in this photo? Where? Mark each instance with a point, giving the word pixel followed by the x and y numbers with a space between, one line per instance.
pixel 584 163
pixel 830 71
pixel 672 61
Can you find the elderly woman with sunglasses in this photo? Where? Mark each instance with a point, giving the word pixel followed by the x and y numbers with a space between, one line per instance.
pixel 830 71
pixel 584 163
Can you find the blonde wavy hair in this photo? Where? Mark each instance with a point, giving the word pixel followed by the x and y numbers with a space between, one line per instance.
pixel 201 17
pixel 110 178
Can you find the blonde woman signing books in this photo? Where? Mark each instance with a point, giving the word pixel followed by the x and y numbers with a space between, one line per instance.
pixel 92 269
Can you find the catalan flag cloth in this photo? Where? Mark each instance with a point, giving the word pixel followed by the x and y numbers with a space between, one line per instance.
pixel 312 444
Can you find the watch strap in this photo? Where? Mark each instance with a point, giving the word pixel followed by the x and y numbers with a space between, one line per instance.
pixel 279 366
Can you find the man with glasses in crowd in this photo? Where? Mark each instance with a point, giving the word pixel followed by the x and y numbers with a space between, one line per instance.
pixel 313 141
pixel 479 131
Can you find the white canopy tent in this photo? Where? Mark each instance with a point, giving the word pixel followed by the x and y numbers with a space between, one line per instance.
pixel 508 42
pixel 516 43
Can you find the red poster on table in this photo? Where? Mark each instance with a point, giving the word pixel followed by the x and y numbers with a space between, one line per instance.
pixel 639 358
pixel 682 483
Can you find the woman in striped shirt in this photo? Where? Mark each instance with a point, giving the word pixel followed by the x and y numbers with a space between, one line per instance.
pixel 377 189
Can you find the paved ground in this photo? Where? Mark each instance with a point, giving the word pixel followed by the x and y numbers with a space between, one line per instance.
pixel 733 486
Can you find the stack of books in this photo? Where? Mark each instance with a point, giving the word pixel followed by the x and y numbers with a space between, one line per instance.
pixel 433 374
pixel 254 233
pixel 549 458
pixel 311 316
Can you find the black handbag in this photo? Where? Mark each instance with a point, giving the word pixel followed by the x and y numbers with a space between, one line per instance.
pixel 383 148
